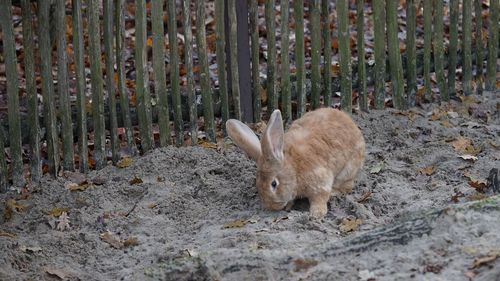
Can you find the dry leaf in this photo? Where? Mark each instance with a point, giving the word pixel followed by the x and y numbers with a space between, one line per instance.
pixel 365 197
pixel 27 249
pixel 135 180
pixel 472 150
pixel 11 203
pixel 429 170
pixel 109 238
pixel 377 168
pixel 63 222
pixel 303 264
pixel 236 223
pixel 77 187
pixel 131 242
pixel 278 219
pixel 152 205
pixel 207 144
pixel 61 274
pixel 7 234
pixel 478 184
pixel 56 212
pixel 480 261
pixel 460 143
pixel 125 162
pixel 468 157
pixel 350 224
pixel 446 124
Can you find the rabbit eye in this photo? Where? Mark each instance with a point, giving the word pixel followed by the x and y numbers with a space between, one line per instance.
pixel 274 184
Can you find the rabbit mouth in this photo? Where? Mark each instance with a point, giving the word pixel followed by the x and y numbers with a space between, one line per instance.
pixel 276 205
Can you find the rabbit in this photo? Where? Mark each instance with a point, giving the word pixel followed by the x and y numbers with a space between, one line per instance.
pixel 320 154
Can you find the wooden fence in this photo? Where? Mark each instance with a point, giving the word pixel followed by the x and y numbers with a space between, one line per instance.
pixel 328 58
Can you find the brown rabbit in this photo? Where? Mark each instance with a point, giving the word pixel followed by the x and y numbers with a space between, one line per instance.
pixel 321 153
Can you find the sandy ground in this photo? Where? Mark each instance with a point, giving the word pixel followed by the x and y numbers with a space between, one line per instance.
pixel 195 215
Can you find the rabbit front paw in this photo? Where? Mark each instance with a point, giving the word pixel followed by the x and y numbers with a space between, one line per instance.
pixel 318 209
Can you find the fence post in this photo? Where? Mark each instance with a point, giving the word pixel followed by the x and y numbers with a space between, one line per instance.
pixel 49 109
pixel 439 49
pixel 379 52
pixel 221 58
pixel 206 91
pixel 315 28
pixel 427 49
pixel 286 99
pixel 29 72
pixel 467 56
pixel 120 67
pixel 491 67
pixel 395 64
pixel 411 52
pixel 478 5
pixel 188 61
pixel 110 82
pixel 298 8
pixel 272 95
pixel 360 23
pixel 142 76
pixel 233 57
pixel 453 46
pixel 254 34
pixel 62 87
pixel 345 56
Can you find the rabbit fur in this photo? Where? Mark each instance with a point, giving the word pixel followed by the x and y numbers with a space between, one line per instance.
pixel 319 155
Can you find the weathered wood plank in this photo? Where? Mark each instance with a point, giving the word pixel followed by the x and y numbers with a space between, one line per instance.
pixel 315 28
pixel 255 46
pixel 188 61
pixel 298 8
pixel 286 97
pixel 272 95
pixel 345 56
pixel 379 52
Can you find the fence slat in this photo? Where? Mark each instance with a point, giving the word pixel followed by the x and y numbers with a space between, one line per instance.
pixel 63 88
pixel 300 56
pixel 439 49
pixel 344 56
pixel 81 115
pixel 206 91
pixel 479 45
pixel 427 49
pixel 327 53
pixel 29 72
pixel 142 76
pixel 411 51
pixel 395 64
pixel 188 61
pixel 285 64
pixel 97 85
pixel 110 71
pixel 254 36
pixel 174 72
pixel 467 56
pixel 3 165
pixel 315 27
pixel 10 60
pixel 491 66
pixel 233 54
pixel 49 108
pixel 272 95
pixel 221 59
pixel 120 67
pixel 159 70
pixel 453 46
pixel 379 52
pixel 360 22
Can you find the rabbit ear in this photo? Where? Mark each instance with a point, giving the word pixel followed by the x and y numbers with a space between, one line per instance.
pixel 272 141
pixel 244 138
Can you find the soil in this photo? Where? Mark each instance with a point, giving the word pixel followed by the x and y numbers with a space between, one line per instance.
pixel 192 213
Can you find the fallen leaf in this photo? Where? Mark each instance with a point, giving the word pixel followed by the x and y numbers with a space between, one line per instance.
pixel 377 168
pixel 131 242
pixel 303 264
pixel 124 163
pixel 429 170
pixel 61 274
pixel 7 234
pixel 456 197
pixel 207 144
pixel 446 124
pixel 109 238
pixel 135 180
pixel 152 205
pixel 365 197
pixel 236 223
pixel 77 187
pixel 278 219
pixel 11 203
pixel 472 150
pixel 28 249
pixel 57 211
pixel 460 143
pixel 476 197
pixel 480 261
pixel 350 224
pixel 468 157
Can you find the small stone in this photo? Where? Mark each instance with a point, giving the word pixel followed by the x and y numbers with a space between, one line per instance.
pixel 453 114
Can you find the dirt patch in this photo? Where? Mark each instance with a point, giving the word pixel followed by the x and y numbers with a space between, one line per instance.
pixel 194 214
